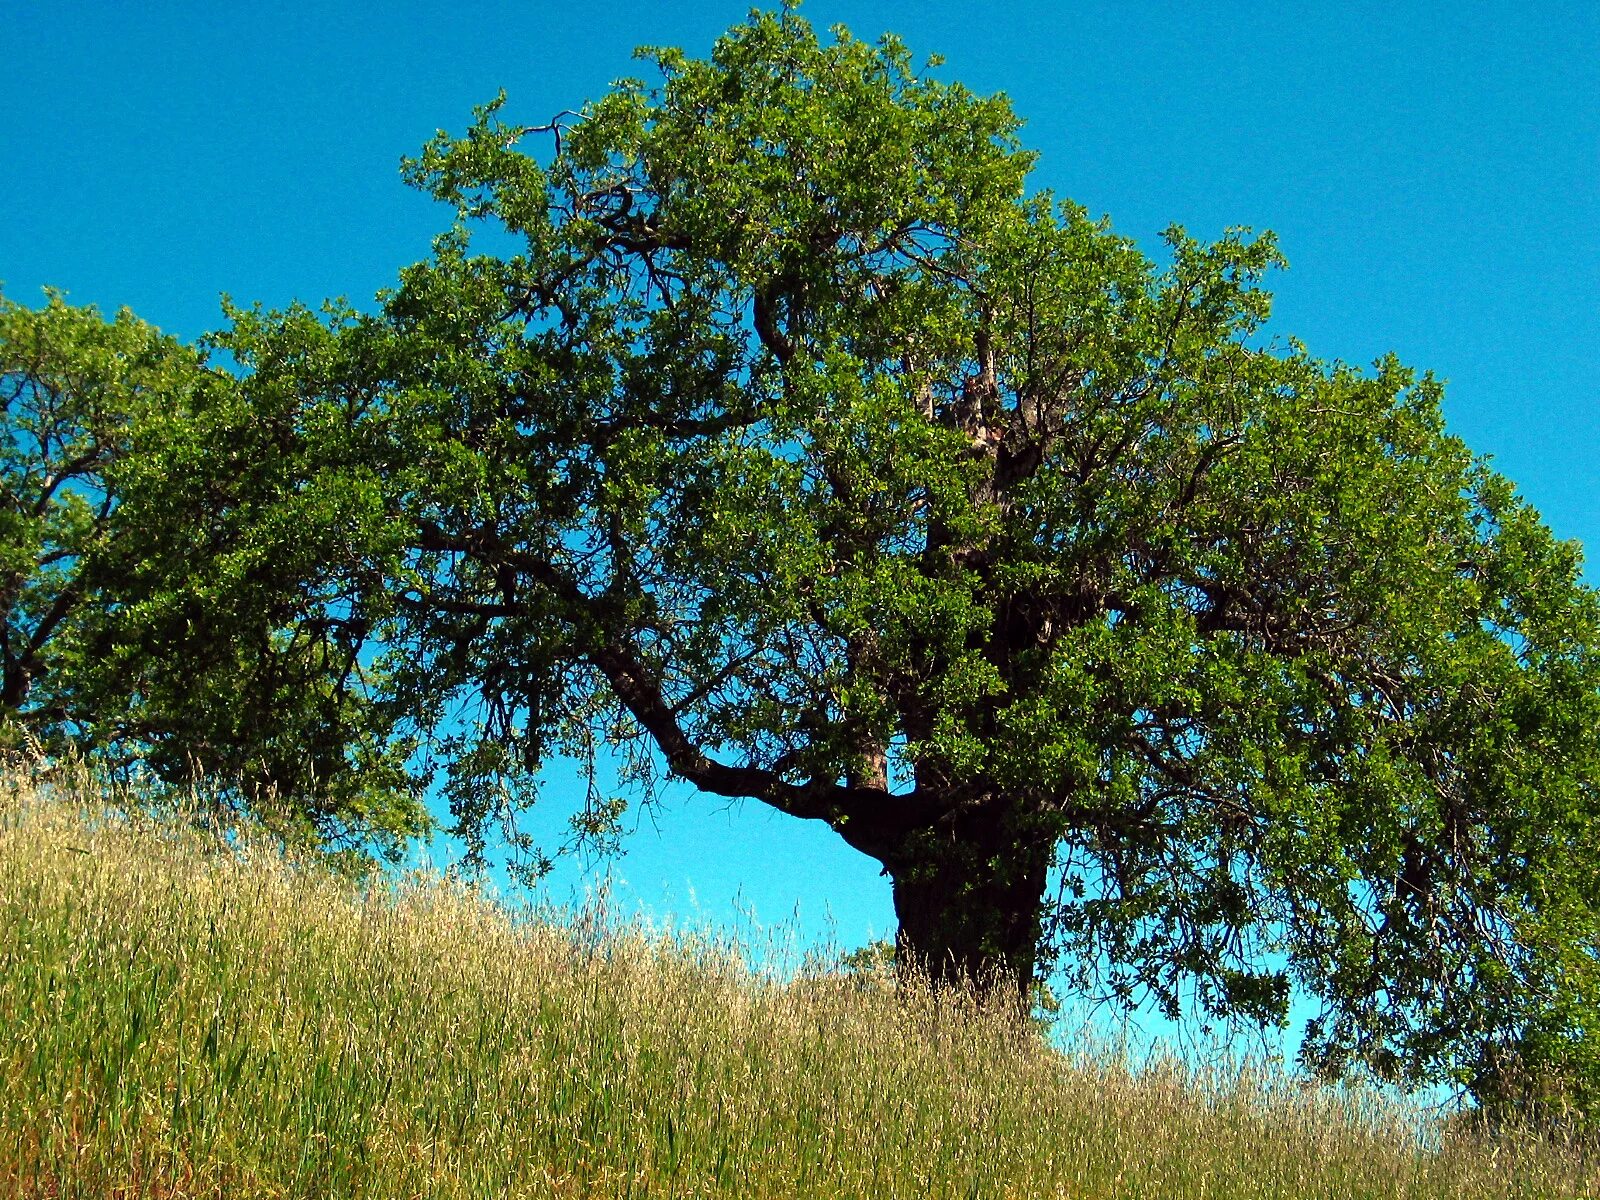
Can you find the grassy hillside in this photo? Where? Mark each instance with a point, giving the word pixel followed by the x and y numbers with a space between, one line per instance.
pixel 181 1019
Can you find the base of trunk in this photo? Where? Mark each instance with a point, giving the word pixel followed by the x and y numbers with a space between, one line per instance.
pixel 971 915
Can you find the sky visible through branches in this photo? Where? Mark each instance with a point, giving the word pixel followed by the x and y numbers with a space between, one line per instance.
pixel 1433 176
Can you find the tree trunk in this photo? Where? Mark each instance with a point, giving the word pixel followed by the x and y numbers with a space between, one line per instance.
pixel 14 687
pixel 970 910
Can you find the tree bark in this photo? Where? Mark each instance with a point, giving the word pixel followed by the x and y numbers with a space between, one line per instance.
pixel 15 683
pixel 970 907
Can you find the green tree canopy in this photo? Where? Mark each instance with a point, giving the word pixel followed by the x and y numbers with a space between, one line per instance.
pixel 72 385
pixel 759 424
pixel 136 632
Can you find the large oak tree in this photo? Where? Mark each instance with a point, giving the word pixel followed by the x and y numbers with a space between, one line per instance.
pixel 758 423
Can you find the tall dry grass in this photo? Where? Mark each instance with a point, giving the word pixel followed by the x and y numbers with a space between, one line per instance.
pixel 183 1014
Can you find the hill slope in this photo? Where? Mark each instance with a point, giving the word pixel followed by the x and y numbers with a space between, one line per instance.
pixel 188 1015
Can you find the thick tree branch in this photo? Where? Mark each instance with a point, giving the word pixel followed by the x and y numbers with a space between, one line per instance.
pixel 766 323
pixel 871 819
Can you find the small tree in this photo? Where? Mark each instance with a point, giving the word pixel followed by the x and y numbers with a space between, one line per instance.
pixel 71 386
pixel 782 440
pixel 125 636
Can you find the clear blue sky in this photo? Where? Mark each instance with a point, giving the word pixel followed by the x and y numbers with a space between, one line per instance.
pixel 1432 170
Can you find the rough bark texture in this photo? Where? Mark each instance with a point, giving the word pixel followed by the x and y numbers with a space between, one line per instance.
pixel 969 904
